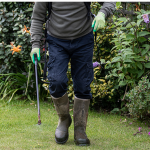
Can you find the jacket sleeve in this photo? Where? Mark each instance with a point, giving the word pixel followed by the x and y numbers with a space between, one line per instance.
pixel 108 8
pixel 37 21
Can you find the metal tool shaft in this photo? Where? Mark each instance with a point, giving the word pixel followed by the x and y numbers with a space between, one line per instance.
pixel 37 89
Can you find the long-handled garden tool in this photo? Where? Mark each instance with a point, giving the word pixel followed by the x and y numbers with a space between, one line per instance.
pixel 37 89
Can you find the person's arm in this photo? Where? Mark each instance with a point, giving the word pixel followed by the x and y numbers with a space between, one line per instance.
pixel 37 21
pixel 36 30
pixel 105 11
pixel 108 8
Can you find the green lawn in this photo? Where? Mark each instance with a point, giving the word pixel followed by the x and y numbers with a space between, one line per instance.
pixel 19 130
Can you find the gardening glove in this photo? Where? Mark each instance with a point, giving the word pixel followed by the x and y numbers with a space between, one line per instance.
pixel 37 51
pixel 98 22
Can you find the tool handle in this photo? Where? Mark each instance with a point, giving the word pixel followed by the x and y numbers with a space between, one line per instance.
pixel 35 58
pixel 37 89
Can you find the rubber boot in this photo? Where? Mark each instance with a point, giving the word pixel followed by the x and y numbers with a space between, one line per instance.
pixel 80 115
pixel 62 108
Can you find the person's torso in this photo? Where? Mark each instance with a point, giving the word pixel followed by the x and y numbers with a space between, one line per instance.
pixel 68 20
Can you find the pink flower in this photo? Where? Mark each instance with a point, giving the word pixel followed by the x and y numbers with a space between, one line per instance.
pixel 96 64
pixel 146 18
pixel 149 133
pixel 139 129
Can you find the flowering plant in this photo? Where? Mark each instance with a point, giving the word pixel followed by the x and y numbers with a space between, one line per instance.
pixel 15 49
pixel 138 99
pixel 146 18
pixel 131 39
pixel 96 64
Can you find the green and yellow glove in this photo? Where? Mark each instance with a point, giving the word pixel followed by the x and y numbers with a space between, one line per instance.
pixel 37 51
pixel 98 22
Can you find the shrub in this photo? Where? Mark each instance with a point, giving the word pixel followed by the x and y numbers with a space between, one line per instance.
pixel 15 18
pixel 138 99
pixel 132 49
pixel 15 48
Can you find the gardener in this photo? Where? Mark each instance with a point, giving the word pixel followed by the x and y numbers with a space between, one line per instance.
pixel 70 36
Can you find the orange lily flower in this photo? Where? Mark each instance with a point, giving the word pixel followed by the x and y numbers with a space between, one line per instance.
pixel 15 49
pixel 25 29
pixel 137 7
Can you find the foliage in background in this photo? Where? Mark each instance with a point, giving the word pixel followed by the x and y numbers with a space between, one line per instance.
pixel 102 87
pixel 21 84
pixel 14 17
pixel 138 99
pixel 125 57
pixel 15 62
pixel 131 39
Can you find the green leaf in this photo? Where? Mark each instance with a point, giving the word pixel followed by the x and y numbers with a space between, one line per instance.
pixel 128 53
pixel 126 43
pixel 139 59
pixel 115 59
pixel 121 75
pixel 16 24
pixel 5 30
pixel 130 36
pixel 124 70
pixel 1 5
pixel 131 70
pixel 144 51
pixel 143 33
pixel 149 84
pixel 147 46
pixel 140 73
pixel 1 52
pixel 127 60
pixel 16 28
pixel 29 9
pixel 19 32
pixel 118 23
pixel 118 4
pixel 139 64
pixel 12 95
pixel 124 19
pixel 8 46
pixel 2 57
pixel 142 39
pixel 122 83
pixel 129 25
pixel 147 65
pixel 123 28
pixel 1 45
pixel 9 15
pixel 139 22
pixel 102 61
pixel 115 110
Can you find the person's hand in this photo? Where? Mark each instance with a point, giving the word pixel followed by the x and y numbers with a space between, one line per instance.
pixel 37 51
pixel 98 22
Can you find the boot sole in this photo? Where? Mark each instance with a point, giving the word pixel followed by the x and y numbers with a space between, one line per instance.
pixel 62 142
pixel 82 143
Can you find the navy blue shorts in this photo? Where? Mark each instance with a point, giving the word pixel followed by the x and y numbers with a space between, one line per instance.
pixel 80 52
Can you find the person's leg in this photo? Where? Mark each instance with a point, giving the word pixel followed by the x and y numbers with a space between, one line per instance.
pixel 62 108
pixel 57 76
pixel 80 115
pixel 82 74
